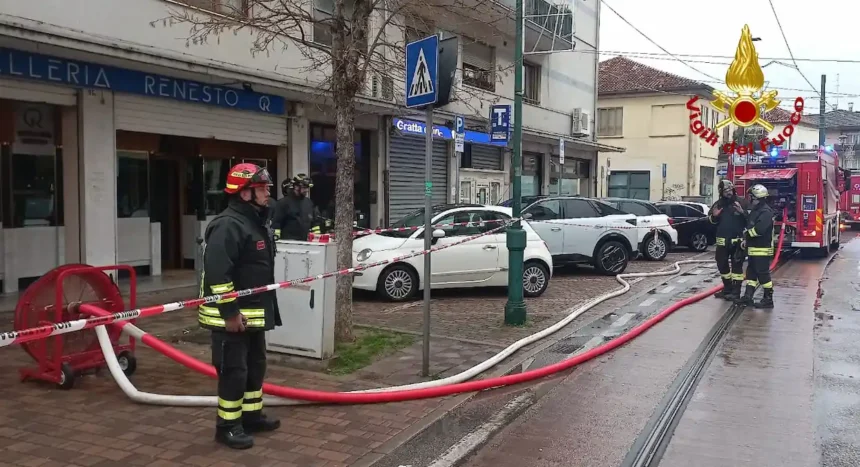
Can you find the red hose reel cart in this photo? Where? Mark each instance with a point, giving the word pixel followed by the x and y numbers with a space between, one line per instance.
pixel 55 298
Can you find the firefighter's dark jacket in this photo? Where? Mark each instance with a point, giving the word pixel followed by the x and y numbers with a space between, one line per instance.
pixel 239 254
pixel 293 218
pixel 731 221
pixel 759 232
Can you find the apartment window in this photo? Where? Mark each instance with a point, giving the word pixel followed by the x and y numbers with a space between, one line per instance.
pixel 532 73
pixel 726 135
pixel 610 121
pixel 323 23
pixel 225 7
pixel 634 185
pixel 478 63
pixel 132 184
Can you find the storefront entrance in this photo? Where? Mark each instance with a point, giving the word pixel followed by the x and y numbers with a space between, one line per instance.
pixel 323 168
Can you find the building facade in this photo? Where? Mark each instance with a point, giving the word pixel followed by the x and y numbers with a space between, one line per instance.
pixel 643 109
pixel 842 131
pixel 116 132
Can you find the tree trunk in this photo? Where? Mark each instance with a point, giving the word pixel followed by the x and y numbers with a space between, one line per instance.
pixel 344 214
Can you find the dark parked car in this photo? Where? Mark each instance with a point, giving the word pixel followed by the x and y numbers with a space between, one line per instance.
pixel 694 229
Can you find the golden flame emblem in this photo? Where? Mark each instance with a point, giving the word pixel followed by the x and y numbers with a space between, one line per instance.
pixel 745 78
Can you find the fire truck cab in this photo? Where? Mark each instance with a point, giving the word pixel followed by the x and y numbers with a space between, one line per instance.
pixel 806 184
pixel 850 203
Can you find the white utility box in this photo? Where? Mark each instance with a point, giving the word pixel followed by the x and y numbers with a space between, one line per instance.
pixel 307 310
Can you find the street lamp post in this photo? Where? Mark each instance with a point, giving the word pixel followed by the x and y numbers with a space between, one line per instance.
pixel 515 308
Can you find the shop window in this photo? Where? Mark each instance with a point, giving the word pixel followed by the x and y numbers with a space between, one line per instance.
pixel 33 170
pixel 132 184
pixel 635 185
pixel 214 182
pixel 323 172
pixel 531 174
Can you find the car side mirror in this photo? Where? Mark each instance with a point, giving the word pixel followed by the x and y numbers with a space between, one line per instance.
pixel 527 216
pixel 438 233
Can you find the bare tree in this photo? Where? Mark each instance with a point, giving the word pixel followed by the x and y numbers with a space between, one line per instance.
pixel 361 38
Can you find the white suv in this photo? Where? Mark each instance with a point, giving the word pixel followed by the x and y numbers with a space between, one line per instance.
pixel 653 246
pixel 581 230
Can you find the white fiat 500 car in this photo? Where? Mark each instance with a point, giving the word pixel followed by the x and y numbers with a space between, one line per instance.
pixel 653 245
pixel 482 262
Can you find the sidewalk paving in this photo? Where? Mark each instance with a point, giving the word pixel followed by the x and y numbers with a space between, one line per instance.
pixel 95 424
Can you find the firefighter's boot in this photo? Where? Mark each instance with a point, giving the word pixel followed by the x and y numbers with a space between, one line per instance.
pixel 747 298
pixel 234 437
pixel 734 291
pixel 260 424
pixel 766 301
pixel 727 286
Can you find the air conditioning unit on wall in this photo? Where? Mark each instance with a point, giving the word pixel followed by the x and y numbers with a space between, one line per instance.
pixel 580 123
pixel 382 87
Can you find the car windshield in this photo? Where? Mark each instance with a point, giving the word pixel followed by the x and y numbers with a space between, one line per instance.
pixel 524 201
pixel 413 219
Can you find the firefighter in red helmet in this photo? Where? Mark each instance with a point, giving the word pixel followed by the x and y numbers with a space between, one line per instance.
pixel 239 253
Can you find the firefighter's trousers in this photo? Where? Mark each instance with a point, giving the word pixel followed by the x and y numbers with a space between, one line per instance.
pixel 240 360
pixel 758 269
pixel 730 259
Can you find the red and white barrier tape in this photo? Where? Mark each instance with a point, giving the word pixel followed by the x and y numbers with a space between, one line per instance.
pixel 361 233
pixel 42 332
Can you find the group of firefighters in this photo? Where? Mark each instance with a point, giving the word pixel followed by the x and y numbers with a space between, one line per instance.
pixel 744 230
pixel 239 253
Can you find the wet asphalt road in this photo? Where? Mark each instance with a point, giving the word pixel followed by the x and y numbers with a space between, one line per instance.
pixel 760 403
pixel 837 361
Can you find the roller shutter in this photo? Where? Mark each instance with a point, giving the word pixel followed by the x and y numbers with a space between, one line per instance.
pixel 165 117
pixel 486 157
pixel 406 174
pixel 37 92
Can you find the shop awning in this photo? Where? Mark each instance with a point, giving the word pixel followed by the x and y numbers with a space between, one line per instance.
pixel 769 174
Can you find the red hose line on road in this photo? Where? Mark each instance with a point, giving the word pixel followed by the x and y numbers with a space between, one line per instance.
pixel 442 391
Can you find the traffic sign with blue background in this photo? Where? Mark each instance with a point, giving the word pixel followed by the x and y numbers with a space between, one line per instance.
pixel 500 122
pixel 422 71
pixel 459 125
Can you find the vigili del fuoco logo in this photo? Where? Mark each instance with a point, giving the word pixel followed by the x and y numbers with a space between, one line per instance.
pixel 747 104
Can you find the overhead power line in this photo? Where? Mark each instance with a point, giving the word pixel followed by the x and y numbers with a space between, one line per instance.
pixel 791 54
pixel 655 43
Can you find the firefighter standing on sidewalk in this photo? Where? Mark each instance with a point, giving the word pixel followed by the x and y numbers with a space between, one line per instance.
pixel 239 254
pixel 758 240
pixel 729 214
pixel 295 213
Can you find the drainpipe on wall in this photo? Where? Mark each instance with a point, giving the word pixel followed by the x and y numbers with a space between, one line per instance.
pixel 691 154
pixel 596 163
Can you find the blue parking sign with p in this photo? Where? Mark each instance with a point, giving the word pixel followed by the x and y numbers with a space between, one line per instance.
pixel 459 125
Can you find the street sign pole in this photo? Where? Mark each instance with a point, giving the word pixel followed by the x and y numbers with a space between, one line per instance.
pixel 428 234
pixel 422 90
pixel 515 308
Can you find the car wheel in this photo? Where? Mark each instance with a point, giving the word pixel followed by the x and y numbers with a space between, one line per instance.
pixel 611 258
pixel 698 241
pixel 656 247
pixel 397 283
pixel 535 279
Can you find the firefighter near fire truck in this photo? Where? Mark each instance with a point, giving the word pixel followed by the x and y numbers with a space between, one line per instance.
pixel 758 241
pixel 729 214
pixel 239 253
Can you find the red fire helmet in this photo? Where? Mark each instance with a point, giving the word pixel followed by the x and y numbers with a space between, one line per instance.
pixel 246 175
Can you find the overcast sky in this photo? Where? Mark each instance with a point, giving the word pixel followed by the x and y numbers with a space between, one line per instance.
pixel 822 29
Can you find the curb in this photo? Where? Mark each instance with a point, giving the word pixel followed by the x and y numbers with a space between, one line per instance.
pixel 438 417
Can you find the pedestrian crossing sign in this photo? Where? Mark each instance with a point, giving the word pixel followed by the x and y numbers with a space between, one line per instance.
pixel 422 72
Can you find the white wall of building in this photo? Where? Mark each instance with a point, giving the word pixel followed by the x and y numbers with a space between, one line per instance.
pixel 803 134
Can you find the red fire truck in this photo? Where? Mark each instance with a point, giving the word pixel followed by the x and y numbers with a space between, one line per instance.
pixel 849 205
pixel 807 183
